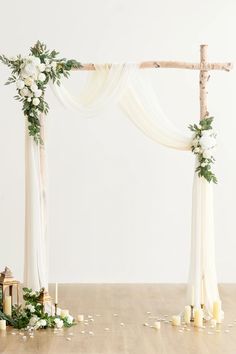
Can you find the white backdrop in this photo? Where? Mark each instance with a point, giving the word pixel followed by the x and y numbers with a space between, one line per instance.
pixel 110 220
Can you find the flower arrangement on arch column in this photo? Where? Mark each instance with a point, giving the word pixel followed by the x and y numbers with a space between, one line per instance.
pixel 203 145
pixel 31 75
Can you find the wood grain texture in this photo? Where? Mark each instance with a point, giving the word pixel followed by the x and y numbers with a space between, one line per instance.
pixel 131 302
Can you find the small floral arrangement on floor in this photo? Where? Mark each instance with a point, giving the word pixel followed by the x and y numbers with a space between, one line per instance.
pixel 31 75
pixel 33 316
pixel 203 145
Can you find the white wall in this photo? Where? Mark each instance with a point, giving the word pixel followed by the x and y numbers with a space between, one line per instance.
pixel 120 205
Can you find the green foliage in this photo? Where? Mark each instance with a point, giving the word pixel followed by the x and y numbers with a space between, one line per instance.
pixel 55 70
pixel 204 164
pixel 21 316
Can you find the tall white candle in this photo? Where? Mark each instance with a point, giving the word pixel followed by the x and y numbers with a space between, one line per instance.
pixel 192 296
pixel 187 314
pixel 56 293
pixel 7 305
pixel 3 325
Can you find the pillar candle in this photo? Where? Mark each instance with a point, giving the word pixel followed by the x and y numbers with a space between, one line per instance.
pixel 56 293
pixel 187 314
pixel 157 325
pixel 217 311
pixel 3 325
pixel 7 305
pixel 198 318
pixel 64 313
pixel 176 320
pixel 80 318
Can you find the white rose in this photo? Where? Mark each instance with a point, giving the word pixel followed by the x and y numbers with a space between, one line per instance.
pixel 20 84
pixel 38 93
pixel 28 81
pixel 42 323
pixel 69 319
pixel 59 323
pixel 36 101
pixel 203 164
pixel 35 60
pixel 207 142
pixel 33 321
pixel 42 67
pixel 29 99
pixel 47 61
pixel 31 308
pixel 29 70
pixel 24 91
pixel 207 154
pixel 196 150
pixel 34 87
pixel 41 77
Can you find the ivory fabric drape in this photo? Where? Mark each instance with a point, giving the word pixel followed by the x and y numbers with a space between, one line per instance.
pixel 125 84
pixel 35 266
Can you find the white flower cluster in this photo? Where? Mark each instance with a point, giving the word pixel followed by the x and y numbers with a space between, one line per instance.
pixel 33 72
pixel 205 144
pixel 36 322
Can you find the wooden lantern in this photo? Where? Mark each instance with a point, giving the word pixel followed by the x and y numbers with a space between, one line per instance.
pixel 9 286
pixel 44 298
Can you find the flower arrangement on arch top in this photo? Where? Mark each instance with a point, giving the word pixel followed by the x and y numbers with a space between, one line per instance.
pixel 203 145
pixel 31 75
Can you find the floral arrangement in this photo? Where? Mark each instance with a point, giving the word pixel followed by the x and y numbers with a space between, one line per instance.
pixel 32 316
pixel 203 145
pixel 31 75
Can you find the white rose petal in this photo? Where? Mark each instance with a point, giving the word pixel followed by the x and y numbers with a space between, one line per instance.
pixel 36 101
pixel 41 77
pixel 20 84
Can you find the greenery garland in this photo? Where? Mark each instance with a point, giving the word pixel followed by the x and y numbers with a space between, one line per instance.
pixel 31 75
pixel 203 145
pixel 33 316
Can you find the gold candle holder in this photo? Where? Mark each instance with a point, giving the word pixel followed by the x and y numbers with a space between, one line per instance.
pixel 55 309
pixel 192 313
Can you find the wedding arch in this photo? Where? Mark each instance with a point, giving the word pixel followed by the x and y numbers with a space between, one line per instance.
pixel 123 84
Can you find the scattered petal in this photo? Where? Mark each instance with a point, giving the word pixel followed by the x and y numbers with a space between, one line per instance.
pixel 68 338
pixel 107 329
pixel 122 324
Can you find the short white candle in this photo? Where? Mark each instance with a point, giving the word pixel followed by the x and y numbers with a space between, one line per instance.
pixel 198 317
pixel 157 325
pixel 176 320
pixel 7 305
pixel 80 318
pixel 64 313
pixel 3 325
pixel 217 311
pixel 187 314
pixel 56 293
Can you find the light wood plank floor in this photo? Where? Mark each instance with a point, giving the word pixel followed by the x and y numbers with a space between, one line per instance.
pixel 132 304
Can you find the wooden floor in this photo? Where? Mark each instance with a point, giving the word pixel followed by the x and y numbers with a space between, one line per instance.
pixel 132 305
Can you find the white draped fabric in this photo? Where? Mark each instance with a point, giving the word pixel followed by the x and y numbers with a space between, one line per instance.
pixel 35 267
pixel 124 84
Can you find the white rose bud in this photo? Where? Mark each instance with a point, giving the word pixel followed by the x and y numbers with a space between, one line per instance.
pixel 20 84
pixel 42 67
pixel 42 77
pixel 36 101
pixel 34 87
pixel 38 93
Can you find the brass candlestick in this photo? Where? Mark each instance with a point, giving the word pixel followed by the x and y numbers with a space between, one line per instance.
pixel 192 313
pixel 55 309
